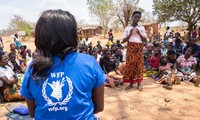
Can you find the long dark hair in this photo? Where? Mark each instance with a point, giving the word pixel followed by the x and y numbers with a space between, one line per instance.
pixel 55 34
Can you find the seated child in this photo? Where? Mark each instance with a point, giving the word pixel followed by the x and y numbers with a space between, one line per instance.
pixel 14 63
pixel 164 68
pixel 155 59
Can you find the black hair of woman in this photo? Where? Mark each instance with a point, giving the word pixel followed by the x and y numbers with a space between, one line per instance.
pixel 178 40
pixel 105 51
pixel 136 12
pixel 55 34
pixel 171 52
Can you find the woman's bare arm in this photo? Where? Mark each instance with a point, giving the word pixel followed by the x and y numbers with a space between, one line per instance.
pixel 31 107
pixel 98 99
pixel 8 82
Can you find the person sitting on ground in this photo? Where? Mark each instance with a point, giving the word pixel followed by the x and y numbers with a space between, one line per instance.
pixel 118 43
pixel 14 63
pixel 165 73
pixel 195 49
pixel 170 39
pixel 99 45
pixel 83 50
pixel 164 68
pixel 109 81
pixel 178 47
pixel 113 49
pixel 186 65
pixel 177 36
pixel 155 59
pixel 148 52
pixel 118 54
pixel 98 53
pixel 108 64
pixel 171 56
pixel 8 81
pixel 29 54
pixel 13 48
pixel 163 50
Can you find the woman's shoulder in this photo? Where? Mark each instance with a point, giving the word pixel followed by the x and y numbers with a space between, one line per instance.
pixel 84 58
pixel 128 27
pixel 181 56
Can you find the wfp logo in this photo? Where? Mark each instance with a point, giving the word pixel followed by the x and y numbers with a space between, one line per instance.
pixel 57 92
pixel 57 89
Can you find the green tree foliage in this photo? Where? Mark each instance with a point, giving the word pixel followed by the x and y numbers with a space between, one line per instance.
pixel 102 10
pixel 19 24
pixel 183 10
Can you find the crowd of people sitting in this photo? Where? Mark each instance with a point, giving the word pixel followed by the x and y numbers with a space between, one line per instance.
pixel 13 63
pixel 168 60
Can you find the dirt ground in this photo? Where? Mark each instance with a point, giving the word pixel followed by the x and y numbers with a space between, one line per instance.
pixel 153 103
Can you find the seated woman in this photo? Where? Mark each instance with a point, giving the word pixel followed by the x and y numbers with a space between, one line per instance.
pixel 7 81
pixel 186 65
pixel 109 81
pixel 108 64
pixel 14 63
pixel 147 50
pixel 155 59
pixel 164 68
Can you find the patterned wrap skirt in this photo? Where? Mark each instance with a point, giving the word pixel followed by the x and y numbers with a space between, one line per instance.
pixel 133 70
pixel 9 94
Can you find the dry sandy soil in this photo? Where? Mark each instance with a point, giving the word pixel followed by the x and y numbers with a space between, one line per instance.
pixel 153 103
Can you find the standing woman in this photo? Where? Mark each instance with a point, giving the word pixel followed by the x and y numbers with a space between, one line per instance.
pixel 60 83
pixel 134 35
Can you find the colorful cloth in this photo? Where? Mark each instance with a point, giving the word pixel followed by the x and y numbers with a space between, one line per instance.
pixel 154 62
pixel 10 94
pixel 186 63
pixel 133 71
pixel 186 66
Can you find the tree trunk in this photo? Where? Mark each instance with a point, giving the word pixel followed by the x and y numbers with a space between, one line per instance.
pixel 190 26
pixel 122 22
pixel 105 31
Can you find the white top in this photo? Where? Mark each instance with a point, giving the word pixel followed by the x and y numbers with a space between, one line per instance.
pixel 8 72
pixel 168 32
pixel 135 37
pixel 11 65
pixel 86 42
pixel 98 57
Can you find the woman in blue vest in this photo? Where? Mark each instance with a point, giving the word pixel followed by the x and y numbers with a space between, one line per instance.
pixel 60 83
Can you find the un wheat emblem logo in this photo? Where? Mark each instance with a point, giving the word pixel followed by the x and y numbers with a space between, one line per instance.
pixel 57 91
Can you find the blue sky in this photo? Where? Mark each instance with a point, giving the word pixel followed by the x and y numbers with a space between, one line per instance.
pixel 30 10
